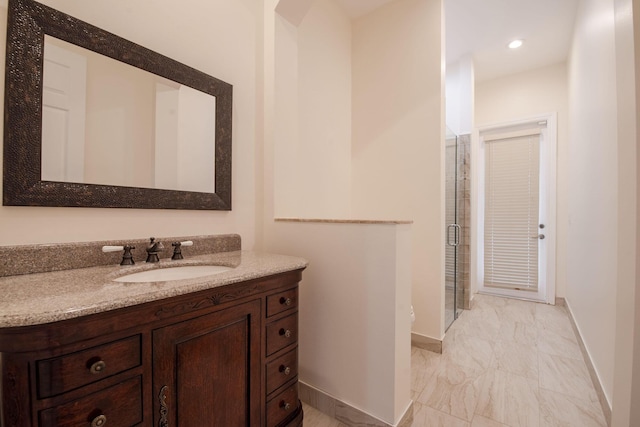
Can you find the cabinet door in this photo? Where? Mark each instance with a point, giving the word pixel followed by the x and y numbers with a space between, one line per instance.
pixel 206 371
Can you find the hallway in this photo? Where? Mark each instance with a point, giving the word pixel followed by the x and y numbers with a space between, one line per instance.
pixel 505 363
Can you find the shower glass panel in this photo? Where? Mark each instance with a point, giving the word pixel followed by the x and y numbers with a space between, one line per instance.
pixel 454 209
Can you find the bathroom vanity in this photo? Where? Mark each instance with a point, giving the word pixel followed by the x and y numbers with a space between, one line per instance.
pixel 79 349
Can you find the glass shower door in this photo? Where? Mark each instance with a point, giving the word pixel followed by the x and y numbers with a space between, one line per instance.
pixel 453 205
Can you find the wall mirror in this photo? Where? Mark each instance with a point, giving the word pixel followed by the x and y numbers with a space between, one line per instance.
pixel 94 120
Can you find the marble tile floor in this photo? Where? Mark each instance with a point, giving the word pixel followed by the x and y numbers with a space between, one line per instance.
pixel 506 363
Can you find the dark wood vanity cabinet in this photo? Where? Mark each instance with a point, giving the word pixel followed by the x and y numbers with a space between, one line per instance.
pixel 223 357
pixel 207 369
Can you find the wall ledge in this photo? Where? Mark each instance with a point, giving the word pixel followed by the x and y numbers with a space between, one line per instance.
pixel 344 221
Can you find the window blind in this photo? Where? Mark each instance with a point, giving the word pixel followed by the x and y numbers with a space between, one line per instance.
pixel 511 213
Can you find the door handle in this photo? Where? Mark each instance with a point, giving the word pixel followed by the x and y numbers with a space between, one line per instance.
pixel 456 234
pixel 458 230
pixel 539 236
pixel 449 227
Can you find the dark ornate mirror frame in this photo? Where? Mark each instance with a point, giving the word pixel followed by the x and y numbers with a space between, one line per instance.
pixel 28 22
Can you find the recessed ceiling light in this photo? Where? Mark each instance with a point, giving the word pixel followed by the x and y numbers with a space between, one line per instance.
pixel 515 44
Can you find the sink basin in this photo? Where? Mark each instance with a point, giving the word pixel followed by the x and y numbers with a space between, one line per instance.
pixel 173 273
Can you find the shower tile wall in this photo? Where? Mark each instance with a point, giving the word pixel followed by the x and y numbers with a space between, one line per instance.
pixel 464 218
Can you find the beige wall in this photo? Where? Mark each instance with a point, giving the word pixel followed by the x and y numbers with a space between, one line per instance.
pixel 593 185
pixel 530 94
pixel 394 155
pixel 355 294
pixel 355 342
pixel 197 34
pixel 313 110
pixel 324 103
pixel 313 113
pixel 626 381
pixel 120 124
pixel 398 135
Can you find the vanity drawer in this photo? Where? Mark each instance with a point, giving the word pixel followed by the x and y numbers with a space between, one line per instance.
pixel 68 372
pixel 281 406
pixel 117 406
pixel 282 333
pixel 281 370
pixel 282 301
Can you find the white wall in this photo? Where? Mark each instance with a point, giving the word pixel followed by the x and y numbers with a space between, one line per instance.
pixel 593 185
pixel 459 94
pixel 197 34
pixel 354 335
pixel 398 136
pixel 626 382
pixel 313 83
pixel 119 123
pixel 360 349
pixel 324 102
pixel 528 94
pixel 282 164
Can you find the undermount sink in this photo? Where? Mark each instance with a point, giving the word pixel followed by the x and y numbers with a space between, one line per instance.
pixel 173 273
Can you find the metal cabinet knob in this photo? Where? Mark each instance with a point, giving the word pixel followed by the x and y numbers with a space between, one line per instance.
pixel 98 367
pixel 286 301
pixel 284 405
pixel 286 333
pixel 99 421
pixel 285 369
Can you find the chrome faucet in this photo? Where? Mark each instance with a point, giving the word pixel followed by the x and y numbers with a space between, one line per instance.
pixel 152 250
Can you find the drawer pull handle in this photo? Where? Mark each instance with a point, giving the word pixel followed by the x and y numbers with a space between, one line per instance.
pixel 99 421
pixel 286 333
pixel 98 368
pixel 164 409
pixel 285 369
pixel 284 405
pixel 285 301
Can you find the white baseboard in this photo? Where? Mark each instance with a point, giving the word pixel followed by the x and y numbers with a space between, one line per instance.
pixel 344 412
pixel 604 403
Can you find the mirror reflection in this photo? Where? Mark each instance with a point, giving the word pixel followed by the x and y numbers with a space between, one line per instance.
pixel 106 122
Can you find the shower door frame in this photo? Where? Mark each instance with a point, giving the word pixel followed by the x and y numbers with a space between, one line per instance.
pixel 548 165
pixel 455 237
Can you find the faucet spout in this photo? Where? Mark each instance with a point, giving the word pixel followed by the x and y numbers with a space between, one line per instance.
pixel 152 250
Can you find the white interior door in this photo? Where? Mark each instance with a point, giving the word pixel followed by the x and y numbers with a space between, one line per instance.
pixel 516 247
pixel 63 114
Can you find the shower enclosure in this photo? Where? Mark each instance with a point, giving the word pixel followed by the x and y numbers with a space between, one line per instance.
pixel 456 223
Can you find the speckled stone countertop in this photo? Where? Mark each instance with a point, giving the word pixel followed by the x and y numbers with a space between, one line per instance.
pixel 38 298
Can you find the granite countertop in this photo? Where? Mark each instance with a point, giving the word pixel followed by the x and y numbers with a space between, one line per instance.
pixel 38 298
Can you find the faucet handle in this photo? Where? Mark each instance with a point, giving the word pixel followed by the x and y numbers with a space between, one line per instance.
pixel 177 248
pixel 127 257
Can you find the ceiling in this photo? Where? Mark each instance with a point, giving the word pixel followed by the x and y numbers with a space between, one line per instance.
pixel 357 8
pixel 483 28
